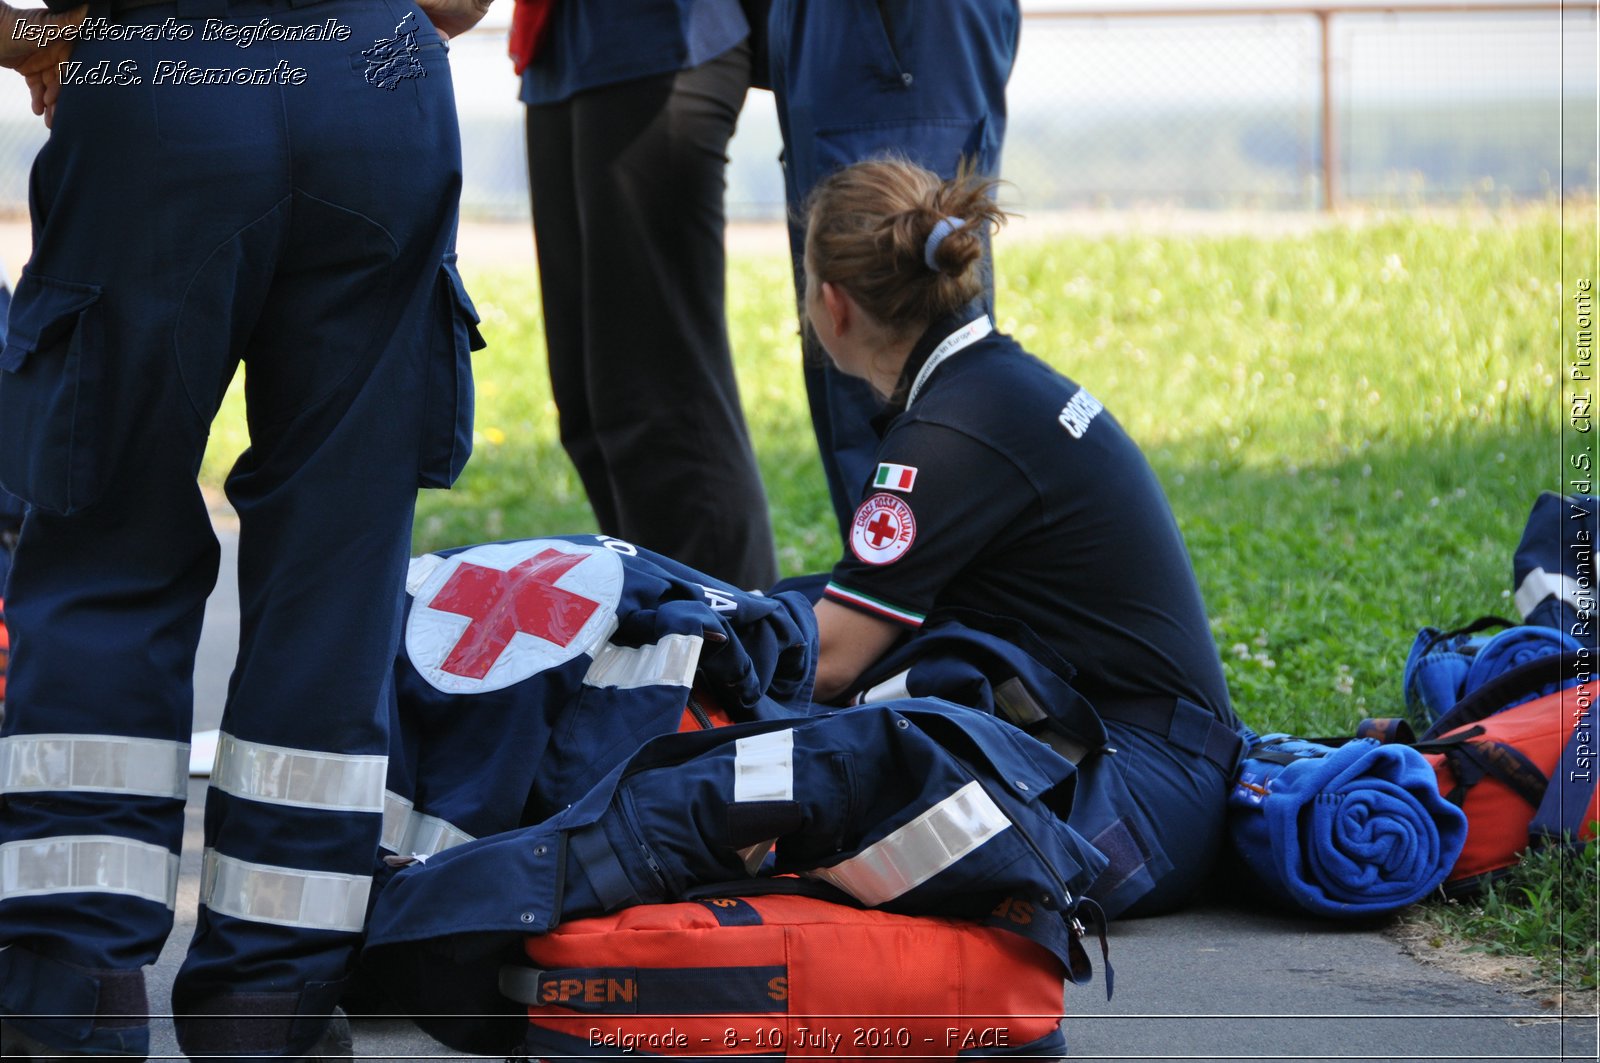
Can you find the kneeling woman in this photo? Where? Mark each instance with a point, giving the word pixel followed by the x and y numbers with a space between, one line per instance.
pixel 1003 486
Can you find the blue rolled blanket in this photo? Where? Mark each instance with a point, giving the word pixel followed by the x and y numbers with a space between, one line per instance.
pixel 1357 830
pixel 1514 648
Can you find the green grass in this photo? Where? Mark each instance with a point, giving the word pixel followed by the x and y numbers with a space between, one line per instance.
pixel 1544 910
pixel 1351 425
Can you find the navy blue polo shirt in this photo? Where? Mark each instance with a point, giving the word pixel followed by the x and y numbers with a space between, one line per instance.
pixel 1003 486
pixel 602 42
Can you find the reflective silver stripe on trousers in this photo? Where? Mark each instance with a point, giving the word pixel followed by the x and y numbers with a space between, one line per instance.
pixel 889 690
pixel 110 764
pixel 285 896
pixel 919 850
pixel 1539 584
pixel 412 833
pixel 95 863
pixel 763 767
pixel 338 782
pixel 670 662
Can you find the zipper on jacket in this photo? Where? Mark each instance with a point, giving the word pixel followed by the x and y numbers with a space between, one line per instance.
pixel 699 713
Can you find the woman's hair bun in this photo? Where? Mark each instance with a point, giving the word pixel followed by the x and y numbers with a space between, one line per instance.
pixel 950 247
pixel 904 242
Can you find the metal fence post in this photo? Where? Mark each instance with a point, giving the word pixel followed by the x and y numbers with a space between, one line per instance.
pixel 1330 141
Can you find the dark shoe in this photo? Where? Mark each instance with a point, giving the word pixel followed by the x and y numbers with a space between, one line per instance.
pixel 16 1045
pixel 234 1028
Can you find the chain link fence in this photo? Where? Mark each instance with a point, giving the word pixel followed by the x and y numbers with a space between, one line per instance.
pixel 1186 108
pixel 1227 111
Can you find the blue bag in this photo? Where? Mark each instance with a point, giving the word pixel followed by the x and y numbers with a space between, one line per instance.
pixel 1552 579
pixel 1445 666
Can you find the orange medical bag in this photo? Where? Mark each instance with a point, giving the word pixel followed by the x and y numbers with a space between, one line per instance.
pixel 1524 774
pixel 787 976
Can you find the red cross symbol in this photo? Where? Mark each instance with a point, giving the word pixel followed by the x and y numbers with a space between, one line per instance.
pixel 501 604
pixel 882 529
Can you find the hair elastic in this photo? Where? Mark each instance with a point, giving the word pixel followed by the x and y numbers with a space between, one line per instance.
pixel 944 227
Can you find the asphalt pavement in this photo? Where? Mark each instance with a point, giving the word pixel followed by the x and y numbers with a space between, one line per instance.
pixel 1224 980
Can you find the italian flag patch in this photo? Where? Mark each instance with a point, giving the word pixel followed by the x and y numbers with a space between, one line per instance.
pixel 895 477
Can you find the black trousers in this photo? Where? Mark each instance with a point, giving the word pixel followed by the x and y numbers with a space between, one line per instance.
pixel 627 182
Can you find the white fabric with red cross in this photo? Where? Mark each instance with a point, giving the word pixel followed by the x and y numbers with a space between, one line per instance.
pixel 494 615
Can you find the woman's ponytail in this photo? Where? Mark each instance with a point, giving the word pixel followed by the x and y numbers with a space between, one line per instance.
pixel 905 244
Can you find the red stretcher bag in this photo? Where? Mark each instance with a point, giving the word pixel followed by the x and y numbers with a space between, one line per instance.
pixel 1524 774
pixel 785 976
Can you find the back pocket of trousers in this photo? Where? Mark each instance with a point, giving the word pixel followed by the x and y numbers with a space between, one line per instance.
pixel 52 392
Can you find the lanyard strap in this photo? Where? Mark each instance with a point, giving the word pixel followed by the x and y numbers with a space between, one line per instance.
pixel 961 338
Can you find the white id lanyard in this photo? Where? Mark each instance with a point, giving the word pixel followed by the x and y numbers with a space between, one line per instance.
pixel 961 338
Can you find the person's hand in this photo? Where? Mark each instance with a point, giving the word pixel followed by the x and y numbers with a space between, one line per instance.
pixel 452 18
pixel 37 52
pixel 42 70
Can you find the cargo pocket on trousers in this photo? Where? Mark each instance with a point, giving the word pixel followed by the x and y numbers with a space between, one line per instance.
pixel 53 391
pixel 447 409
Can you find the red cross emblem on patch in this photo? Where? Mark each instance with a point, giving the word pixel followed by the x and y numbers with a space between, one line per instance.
pixel 883 529
pixel 495 615
pixel 499 604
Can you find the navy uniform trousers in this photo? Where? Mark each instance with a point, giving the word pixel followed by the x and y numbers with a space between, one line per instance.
pixel 913 806
pixel 627 183
pixel 859 78
pixel 301 226
pixel 1152 784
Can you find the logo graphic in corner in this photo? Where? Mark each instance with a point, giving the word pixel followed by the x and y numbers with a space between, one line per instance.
pixel 494 615
pixel 883 530
pixel 391 60
pixel 895 477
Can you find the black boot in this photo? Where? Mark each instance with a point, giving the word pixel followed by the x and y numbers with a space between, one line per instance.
pixel 238 1038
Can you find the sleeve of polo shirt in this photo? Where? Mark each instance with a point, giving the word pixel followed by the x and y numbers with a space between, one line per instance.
pixel 938 499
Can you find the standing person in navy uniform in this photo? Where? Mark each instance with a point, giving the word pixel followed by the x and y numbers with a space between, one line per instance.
pixel 857 78
pixel 297 217
pixel 631 104
pixel 1003 489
